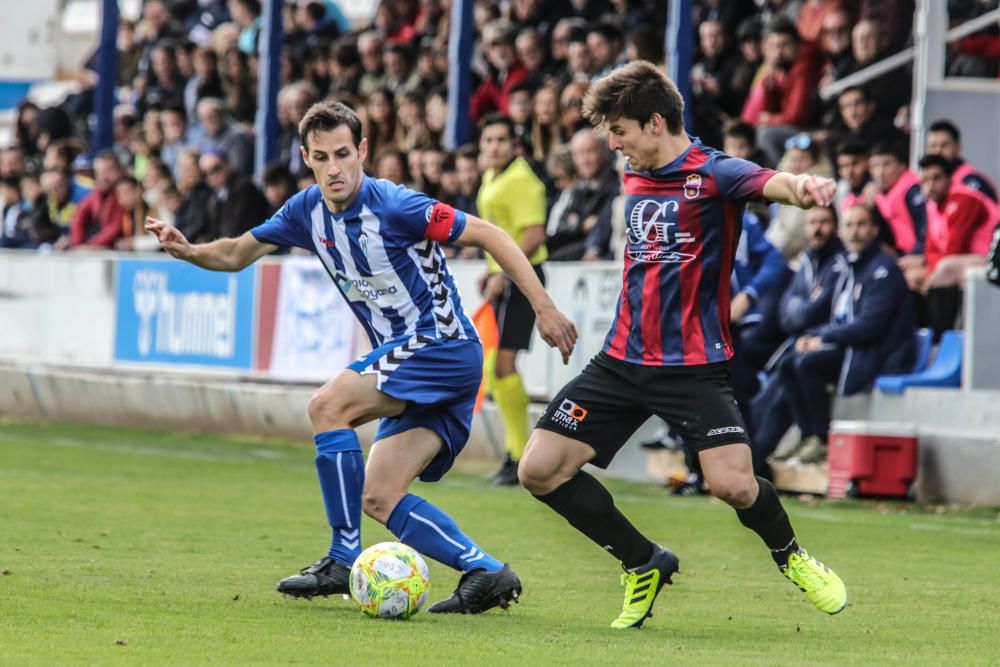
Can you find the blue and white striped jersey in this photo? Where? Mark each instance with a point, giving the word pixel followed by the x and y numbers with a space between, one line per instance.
pixel 383 255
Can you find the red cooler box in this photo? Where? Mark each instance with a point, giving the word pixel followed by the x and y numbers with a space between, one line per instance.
pixel 871 459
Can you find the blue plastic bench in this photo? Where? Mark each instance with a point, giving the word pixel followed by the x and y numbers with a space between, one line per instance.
pixel 946 371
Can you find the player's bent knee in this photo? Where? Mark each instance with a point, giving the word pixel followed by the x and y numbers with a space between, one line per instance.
pixel 738 491
pixel 378 504
pixel 329 408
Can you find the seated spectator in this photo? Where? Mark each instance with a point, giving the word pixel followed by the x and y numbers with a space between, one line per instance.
pixel 391 165
pixel 60 156
pixel 97 223
pixel 805 304
pixel 504 71
pixel 531 52
pixel 595 186
pixel 519 107
pixel 709 82
pixel 869 334
pixel 166 86
pixel 217 133
pixel 400 76
pixel 236 204
pixel 960 224
pixel 740 140
pixel 745 68
pixel 781 101
pixel 294 101
pixel 239 86
pixel 890 90
pixel 852 170
pixel 469 176
pixel 192 217
pixel 174 124
pixel 278 186
pixel 787 228
pixel 604 42
pixel 58 188
pixel 900 210
pixel 450 190
pixel 571 103
pixel 835 45
pixel 345 68
pixel 411 127
pixel 206 81
pixel 370 48
pixel 858 121
pixel 579 59
pixel 546 132
pixel 246 14
pixel 944 139
pixel 26 224
pixel 128 191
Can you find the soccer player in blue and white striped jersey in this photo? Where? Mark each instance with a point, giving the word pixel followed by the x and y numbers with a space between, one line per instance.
pixel 380 244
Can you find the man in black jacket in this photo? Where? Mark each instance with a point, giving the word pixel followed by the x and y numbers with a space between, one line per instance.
pixel 236 204
pixel 870 333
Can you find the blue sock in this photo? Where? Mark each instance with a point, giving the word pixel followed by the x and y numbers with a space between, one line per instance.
pixel 341 470
pixel 435 534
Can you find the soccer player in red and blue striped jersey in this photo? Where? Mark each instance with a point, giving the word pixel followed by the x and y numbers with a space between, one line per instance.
pixel 668 349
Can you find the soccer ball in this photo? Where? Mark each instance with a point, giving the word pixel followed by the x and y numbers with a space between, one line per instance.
pixel 390 580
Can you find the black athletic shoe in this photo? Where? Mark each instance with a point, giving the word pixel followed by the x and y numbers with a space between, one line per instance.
pixel 324 577
pixel 506 474
pixel 480 590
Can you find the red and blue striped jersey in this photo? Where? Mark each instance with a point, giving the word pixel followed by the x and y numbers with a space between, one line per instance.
pixel 684 223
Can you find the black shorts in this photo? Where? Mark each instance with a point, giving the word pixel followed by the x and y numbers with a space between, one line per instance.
pixel 515 316
pixel 605 404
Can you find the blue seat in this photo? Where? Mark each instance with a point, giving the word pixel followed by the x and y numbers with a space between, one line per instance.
pixel 946 371
pixel 923 339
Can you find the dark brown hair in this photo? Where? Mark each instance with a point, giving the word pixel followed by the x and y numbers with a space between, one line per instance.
pixel 635 91
pixel 329 115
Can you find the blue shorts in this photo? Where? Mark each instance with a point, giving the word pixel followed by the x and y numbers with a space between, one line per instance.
pixel 439 379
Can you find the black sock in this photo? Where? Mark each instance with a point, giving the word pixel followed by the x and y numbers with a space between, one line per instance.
pixel 589 507
pixel 942 309
pixel 767 518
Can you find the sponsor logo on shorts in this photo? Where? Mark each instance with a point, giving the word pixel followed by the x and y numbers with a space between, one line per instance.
pixel 724 430
pixel 569 415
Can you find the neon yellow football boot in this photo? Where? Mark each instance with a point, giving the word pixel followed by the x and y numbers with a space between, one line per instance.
pixel 642 586
pixel 821 585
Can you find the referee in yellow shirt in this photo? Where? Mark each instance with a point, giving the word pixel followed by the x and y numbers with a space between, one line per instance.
pixel 513 198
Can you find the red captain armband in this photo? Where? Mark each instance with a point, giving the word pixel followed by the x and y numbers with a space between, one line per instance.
pixel 440 220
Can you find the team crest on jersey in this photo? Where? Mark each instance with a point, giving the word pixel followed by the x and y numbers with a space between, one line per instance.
pixel 692 186
pixel 363 242
pixel 653 234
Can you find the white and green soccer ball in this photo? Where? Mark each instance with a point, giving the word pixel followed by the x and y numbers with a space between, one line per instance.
pixel 390 580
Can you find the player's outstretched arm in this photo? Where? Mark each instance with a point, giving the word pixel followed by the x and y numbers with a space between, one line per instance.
pixel 804 190
pixel 556 329
pixel 220 255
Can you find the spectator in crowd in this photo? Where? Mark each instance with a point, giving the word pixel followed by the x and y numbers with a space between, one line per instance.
pixel 890 90
pixel 236 204
pixel 513 198
pixel 504 71
pixel 293 102
pixel 745 67
pixel 944 139
pixel 596 184
pixel 899 206
pixel 805 305
pixel 740 140
pixel 192 217
pixel 57 184
pixel 370 46
pixel 451 189
pixel 604 42
pixel 399 75
pixel 960 224
pixel 781 101
pixel 345 68
pixel 787 228
pixel 391 165
pixel 215 132
pixel 166 85
pixel 60 156
pixel 26 224
pixel 174 124
pixel 571 103
pixel 546 131
pixel 710 82
pixel 97 223
pixel 835 45
pixel 812 16
pixel 529 47
pixel 852 170
pixel 858 120
pixel 157 179
pixel 246 14
pixel 206 82
pixel 278 186
pixel 380 120
pixel 870 334
pixel 579 59
pixel 467 170
pixel 128 191
pixel 411 126
pixel 239 87
pixel 519 110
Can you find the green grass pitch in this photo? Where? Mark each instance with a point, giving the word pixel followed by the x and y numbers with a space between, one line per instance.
pixel 126 547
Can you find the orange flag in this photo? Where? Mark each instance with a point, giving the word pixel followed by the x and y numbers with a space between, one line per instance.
pixel 485 321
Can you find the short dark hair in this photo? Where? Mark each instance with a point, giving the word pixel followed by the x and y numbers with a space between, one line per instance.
pixel 931 161
pixel 742 130
pixel 327 115
pixel 277 173
pixel 606 29
pixel 865 92
pixel 892 148
pixel 781 26
pixel 467 152
pixel 851 147
pixel 109 155
pixel 635 91
pixel 498 119
pixel 946 126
